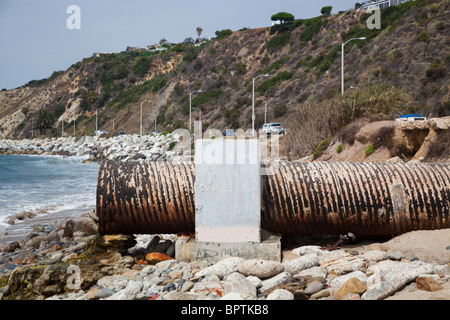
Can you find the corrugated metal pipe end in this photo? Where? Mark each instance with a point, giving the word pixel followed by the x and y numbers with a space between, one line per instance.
pixel 301 198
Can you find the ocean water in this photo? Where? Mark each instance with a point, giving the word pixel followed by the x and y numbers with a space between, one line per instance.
pixel 45 185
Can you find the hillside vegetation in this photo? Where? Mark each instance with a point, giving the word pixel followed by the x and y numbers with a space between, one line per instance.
pixel 401 68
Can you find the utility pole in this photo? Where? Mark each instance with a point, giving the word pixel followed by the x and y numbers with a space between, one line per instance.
pixel 253 101
pixel 342 61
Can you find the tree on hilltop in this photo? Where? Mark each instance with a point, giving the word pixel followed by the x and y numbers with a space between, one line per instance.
pixel 199 31
pixel 283 17
pixel 326 11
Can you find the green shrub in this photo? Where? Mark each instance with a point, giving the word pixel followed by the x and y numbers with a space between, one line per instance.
pixel 223 34
pixel 312 27
pixel 200 99
pixel 324 66
pixel 58 111
pixel 339 148
pixel 275 66
pixel 279 41
pixel 141 66
pixel 280 111
pixel 280 77
pixel 172 145
pixel 424 37
pixel 133 93
pixel 369 149
pixel 320 149
pixel 439 25
pixel 241 68
pixel 436 71
pixel 190 56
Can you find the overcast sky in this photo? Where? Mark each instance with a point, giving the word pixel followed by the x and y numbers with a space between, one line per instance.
pixel 35 39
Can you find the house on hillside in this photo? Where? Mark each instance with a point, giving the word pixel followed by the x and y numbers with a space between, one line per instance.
pixel 373 4
pixel 156 48
pixel 100 54
pixel 199 41
pixel 129 49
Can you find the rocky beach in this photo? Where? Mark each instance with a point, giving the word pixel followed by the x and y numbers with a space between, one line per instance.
pixel 71 261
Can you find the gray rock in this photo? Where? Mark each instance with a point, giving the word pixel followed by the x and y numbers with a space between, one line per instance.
pixel 303 250
pixel 170 287
pixel 280 294
pixel 395 255
pixel 9 247
pixel 187 286
pixel 114 282
pixel 260 268
pixel 211 278
pixel 100 293
pixel 174 295
pixel 271 282
pixel 313 287
pixel 340 262
pixel 315 272
pixel 304 262
pixel 237 283
pixel 223 267
pixel 83 224
pixel 232 296
pixel 395 280
pixel 132 289
pixel 337 282
pixel 255 281
pixel 164 265
pixel 374 255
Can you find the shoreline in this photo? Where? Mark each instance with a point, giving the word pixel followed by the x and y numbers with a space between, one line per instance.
pixel 20 229
pixel 121 147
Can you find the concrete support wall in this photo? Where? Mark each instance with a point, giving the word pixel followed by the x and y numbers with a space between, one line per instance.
pixel 227 190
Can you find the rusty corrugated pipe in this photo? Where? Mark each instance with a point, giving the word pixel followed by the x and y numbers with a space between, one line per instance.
pixel 145 197
pixel 302 198
pixel 367 199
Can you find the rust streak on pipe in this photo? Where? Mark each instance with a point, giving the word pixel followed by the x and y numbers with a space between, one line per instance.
pixel 302 198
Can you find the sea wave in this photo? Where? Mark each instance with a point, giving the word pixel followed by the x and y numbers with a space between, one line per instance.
pixel 45 185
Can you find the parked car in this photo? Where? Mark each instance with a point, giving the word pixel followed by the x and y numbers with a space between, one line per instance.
pixel 121 133
pixel 276 128
pixel 228 133
pixel 154 133
pixel 100 133
pixel 410 117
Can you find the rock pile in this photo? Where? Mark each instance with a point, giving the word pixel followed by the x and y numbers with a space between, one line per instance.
pixel 74 262
pixel 121 147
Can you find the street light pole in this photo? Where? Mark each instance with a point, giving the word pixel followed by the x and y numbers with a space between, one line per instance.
pixel 265 112
pixel 342 61
pixel 140 126
pixel 96 123
pixel 253 101
pixel 190 108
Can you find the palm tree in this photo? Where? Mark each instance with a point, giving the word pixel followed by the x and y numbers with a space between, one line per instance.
pixel 44 120
pixel 199 31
